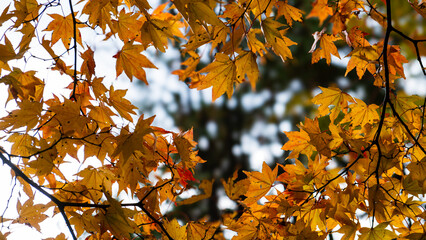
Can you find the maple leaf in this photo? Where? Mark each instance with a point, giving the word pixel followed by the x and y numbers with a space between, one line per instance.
pixel 28 115
pixel 127 143
pixel 235 189
pixel 7 52
pixel 298 143
pixel 63 28
pixel 191 64
pixel 332 97
pixel 395 61
pixel 97 182
pixel 175 230
pixel 320 10
pixel 23 85
pixel 99 12
pixel 276 39
pixel 326 47
pixel 127 26
pixel 68 116
pixel 260 183
pixel 117 219
pixel 102 115
pixel 363 58
pixel 88 65
pixel 203 12
pixel 157 31
pixel 289 12
pixel 376 233
pixel 201 230
pixel 320 139
pixel 122 105
pixel 185 175
pixel 205 186
pixel 31 214
pixel 132 62
pixel 25 10
pixel 221 74
pixel 361 114
pixel 247 66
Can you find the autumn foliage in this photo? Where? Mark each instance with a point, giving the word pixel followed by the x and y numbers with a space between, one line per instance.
pixel 382 146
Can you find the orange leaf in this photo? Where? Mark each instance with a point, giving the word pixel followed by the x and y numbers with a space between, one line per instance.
pixel 63 28
pixel 132 62
pixel 221 74
pixel 260 183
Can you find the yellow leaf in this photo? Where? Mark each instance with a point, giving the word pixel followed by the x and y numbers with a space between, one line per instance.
pixel 7 52
pixel 27 115
pixel 247 232
pixel 88 65
pixel 326 48
pixel 117 219
pixel 361 114
pixel 363 58
pixel 201 231
pixel 246 65
pixel 102 115
pixel 127 26
pixel 332 97
pixel 132 62
pixel 97 182
pixel 202 12
pixel 25 10
pixel 185 145
pixel 221 74
pixel 63 28
pixel 276 39
pixel 23 85
pixel 379 232
pixel 31 214
pixel 173 228
pixel 206 187
pixel 321 10
pixel 289 12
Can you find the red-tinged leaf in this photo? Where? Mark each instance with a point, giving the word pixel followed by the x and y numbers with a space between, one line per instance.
pixel 185 175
